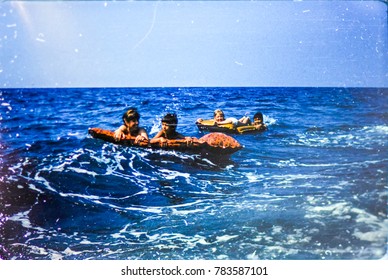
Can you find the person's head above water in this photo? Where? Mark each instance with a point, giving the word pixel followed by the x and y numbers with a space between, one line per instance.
pixel 170 118
pixel 219 115
pixel 258 118
pixel 131 115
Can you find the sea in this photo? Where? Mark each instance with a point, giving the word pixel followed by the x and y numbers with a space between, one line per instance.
pixel 311 187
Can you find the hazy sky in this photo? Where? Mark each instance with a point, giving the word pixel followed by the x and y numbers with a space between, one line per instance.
pixel 192 43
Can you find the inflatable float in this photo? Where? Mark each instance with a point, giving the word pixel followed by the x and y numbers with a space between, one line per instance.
pixel 208 125
pixel 212 143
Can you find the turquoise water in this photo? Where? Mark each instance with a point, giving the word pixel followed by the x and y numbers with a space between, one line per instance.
pixel 313 186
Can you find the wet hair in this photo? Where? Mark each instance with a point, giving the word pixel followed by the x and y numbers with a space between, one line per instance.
pixel 258 115
pixel 131 114
pixel 218 111
pixel 170 118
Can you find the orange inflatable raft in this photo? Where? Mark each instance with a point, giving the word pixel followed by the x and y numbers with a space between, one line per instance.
pixel 213 143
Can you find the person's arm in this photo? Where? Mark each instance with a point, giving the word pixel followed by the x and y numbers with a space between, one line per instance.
pixel 224 122
pixel 158 138
pixel 245 120
pixel 188 139
pixel 142 136
pixel 261 126
pixel 143 133
pixel 120 132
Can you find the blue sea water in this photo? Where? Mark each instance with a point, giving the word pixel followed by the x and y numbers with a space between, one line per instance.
pixel 313 186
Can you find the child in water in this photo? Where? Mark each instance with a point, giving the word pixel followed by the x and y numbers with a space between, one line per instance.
pixel 258 121
pixel 131 127
pixel 168 132
pixel 219 119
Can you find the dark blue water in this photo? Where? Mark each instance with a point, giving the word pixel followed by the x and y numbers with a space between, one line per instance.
pixel 314 186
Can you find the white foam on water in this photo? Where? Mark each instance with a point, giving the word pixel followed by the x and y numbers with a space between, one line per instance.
pixel 253 177
pixel 23 218
pixel 373 228
pixel 15 167
pixel 83 171
pixel 340 210
pixel 160 239
pixel 299 237
pixel 155 127
pixel 358 137
pixel 383 129
pixel 368 226
pixel 43 181
pixel 142 192
pixel 267 197
pixel 208 162
pixel 222 257
pixel 225 238
pixel 93 198
pixel 371 236
pixel 277 229
pixel 269 120
pixel 87 242
pixel 70 252
pixel 253 256
pixel 34 188
pixel 288 181
pixel 171 174
pixel 34 249
pixel 145 209
pixel 75 134
pixel 188 212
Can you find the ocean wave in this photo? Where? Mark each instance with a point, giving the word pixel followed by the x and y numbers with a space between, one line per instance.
pixel 366 226
pixel 366 137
